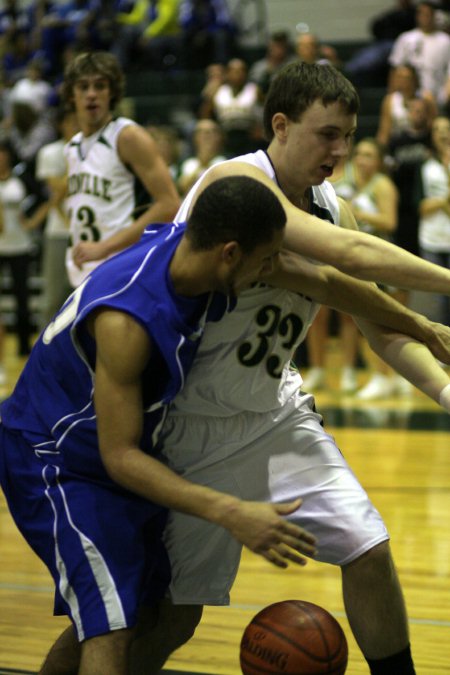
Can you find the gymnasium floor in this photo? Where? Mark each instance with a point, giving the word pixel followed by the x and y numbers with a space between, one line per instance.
pixel 399 449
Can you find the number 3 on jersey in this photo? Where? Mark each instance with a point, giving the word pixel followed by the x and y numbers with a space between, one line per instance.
pixel 272 326
pixel 84 224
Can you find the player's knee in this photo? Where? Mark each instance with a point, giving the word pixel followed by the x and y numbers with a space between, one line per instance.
pixel 378 559
pixel 185 619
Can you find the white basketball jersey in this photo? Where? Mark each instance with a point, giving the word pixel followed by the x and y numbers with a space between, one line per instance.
pixel 101 190
pixel 244 361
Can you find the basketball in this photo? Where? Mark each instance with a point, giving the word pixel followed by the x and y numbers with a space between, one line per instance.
pixel 293 638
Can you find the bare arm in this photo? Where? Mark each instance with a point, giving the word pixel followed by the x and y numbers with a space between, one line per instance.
pixel 385 122
pixel 411 359
pixel 138 151
pixel 430 205
pixel 356 253
pixel 361 299
pixel 119 366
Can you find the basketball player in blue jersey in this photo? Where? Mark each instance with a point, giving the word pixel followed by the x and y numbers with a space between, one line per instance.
pixel 105 160
pixel 241 417
pixel 241 421
pixel 78 432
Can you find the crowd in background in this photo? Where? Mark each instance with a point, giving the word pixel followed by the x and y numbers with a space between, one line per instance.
pixel 396 182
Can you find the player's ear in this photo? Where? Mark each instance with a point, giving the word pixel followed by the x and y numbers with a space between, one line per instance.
pixel 280 125
pixel 231 252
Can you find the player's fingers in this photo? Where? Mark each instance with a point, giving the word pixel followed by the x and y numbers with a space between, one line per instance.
pixel 304 546
pixel 297 532
pixel 293 556
pixel 281 555
pixel 275 558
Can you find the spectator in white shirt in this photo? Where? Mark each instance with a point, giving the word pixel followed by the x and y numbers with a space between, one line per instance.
pixel 427 49
pixel 51 169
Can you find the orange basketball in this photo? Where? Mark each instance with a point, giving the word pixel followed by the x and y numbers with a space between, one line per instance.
pixel 296 638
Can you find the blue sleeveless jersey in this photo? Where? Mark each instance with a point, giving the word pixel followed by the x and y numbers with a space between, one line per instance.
pixel 52 403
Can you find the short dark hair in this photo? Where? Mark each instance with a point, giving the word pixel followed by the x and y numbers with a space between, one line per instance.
pixel 94 63
pixel 235 208
pixel 298 85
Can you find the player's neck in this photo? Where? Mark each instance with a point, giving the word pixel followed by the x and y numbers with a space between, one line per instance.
pixel 297 192
pixel 89 129
pixel 190 271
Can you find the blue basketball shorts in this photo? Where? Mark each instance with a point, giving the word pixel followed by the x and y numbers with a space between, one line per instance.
pixel 101 544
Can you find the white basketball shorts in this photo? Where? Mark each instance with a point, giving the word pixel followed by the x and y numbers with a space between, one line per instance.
pixel 275 457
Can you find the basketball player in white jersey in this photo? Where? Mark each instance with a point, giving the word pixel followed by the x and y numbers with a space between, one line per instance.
pixel 241 422
pixel 253 420
pixel 105 159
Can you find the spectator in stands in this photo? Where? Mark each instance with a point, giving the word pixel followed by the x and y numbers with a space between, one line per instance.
pixel 101 24
pixel 427 49
pixel 407 150
pixel 215 74
pixel 51 169
pixel 434 208
pixel 13 17
pixel 208 32
pixel 309 49
pixel 32 87
pixel 394 115
pixel 208 142
pixel 279 53
pixel 149 33
pixel 30 127
pixel 237 108
pixel 17 54
pixel 62 24
pixel 16 247
pixel 369 65
pixel 169 145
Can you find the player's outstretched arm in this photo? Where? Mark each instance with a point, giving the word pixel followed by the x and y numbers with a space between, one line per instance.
pixel 411 359
pixel 362 255
pixel 120 362
pixel 362 299
pixel 356 253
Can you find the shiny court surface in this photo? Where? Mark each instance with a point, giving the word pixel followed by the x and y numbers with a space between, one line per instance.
pixel 398 448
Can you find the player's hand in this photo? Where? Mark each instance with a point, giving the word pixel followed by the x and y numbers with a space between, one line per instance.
pixel 264 529
pixel 86 251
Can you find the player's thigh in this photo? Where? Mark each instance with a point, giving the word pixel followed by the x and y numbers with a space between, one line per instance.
pixel 297 458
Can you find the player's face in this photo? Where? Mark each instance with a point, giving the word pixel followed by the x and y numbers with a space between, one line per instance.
pixel 316 143
pixel 92 96
pixel 254 266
